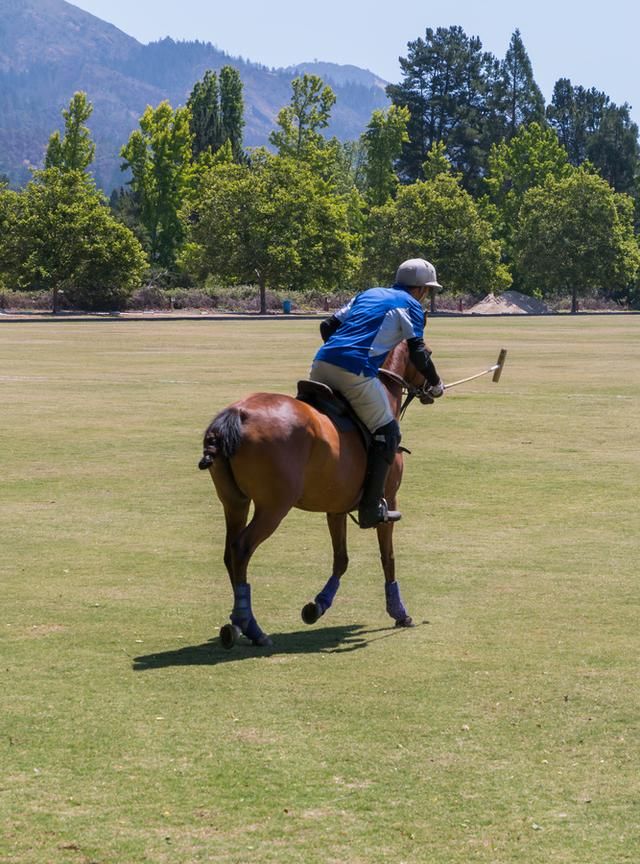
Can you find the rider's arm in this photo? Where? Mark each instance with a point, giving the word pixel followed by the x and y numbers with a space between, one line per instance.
pixel 329 326
pixel 420 356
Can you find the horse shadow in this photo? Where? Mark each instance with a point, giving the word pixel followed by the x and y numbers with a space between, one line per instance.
pixel 326 640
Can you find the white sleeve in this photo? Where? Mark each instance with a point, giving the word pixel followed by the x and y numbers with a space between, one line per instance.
pixel 342 313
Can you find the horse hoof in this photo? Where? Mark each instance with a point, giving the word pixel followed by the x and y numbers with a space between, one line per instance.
pixel 263 642
pixel 405 622
pixel 310 613
pixel 229 635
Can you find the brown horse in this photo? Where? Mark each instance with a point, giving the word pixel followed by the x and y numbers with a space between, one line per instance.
pixel 279 452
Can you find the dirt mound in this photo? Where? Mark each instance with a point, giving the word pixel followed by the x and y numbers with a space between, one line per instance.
pixel 509 303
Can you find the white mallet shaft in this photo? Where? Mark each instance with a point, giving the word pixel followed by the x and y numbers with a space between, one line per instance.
pixel 496 369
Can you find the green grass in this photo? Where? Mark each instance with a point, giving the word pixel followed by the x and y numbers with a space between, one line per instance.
pixel 504 728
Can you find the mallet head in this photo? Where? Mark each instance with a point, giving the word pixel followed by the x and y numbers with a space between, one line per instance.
pixel 499 365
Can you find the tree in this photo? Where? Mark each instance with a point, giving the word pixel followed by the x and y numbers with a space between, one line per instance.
pixel 159 157
pixel 76 150
pixel 217 113
pixel 232 110
pixel 205 123
pixel 522 100
pixel 515 166
pixel 614 149
pixel 592 128
pixel 445 82
pixel 575 113
pixel 301 122
pixel 575 236
pixel 437 162
pixel 276 223
pixel 382 144
pixel 436 219
pixel 62 237
pixel 9 208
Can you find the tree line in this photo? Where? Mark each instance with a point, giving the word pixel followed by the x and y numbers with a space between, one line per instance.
pixel 466 167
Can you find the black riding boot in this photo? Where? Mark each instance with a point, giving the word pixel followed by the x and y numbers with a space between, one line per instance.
pixel 373 508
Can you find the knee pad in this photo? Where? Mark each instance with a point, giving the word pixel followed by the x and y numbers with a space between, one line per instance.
pixel 387 439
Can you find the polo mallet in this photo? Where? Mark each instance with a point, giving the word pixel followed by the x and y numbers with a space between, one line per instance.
pixel 496 369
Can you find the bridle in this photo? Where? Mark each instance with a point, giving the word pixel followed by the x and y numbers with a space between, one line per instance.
pixel 411 390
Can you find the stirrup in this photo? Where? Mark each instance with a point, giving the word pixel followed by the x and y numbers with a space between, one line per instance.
pixel 370 517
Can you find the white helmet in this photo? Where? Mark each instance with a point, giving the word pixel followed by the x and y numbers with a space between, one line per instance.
pixel 417 273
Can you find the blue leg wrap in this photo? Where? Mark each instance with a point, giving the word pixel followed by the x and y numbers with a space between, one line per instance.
pixel 395 606
pixel 325 598
pixel 242 616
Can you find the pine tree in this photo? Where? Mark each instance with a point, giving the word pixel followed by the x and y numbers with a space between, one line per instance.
pixel 575 113
pixel 523 102
pixel 446 78
pixel 592 128
pixel 614 149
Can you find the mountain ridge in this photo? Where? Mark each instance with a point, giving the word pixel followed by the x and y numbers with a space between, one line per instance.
pixel 49 49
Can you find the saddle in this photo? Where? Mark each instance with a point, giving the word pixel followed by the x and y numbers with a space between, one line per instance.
pixel 334 406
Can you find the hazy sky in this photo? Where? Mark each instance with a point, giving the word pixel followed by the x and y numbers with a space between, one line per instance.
pixel 593 45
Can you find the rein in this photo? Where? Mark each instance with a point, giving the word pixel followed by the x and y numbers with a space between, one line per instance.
pixel 410 389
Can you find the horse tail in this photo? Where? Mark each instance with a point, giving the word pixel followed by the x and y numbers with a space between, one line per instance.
pixel 222 437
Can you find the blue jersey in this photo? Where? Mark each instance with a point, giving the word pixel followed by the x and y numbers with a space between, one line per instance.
pixel 373 323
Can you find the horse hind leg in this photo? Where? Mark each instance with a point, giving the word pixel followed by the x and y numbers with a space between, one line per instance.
pixel 236 520
pixel 240 549
pixel 337 523
pixel 236 511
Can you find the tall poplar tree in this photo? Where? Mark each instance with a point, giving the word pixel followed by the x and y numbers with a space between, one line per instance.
pixel 74 151
pixel 302 121
pixel 382 142
pixel 204 104
pixel 232 110
pixel 159 157
pixel 217 113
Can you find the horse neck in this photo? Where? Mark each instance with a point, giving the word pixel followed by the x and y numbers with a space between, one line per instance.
pixel 396 362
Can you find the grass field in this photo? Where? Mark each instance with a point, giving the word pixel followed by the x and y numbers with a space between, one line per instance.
pixel 504 728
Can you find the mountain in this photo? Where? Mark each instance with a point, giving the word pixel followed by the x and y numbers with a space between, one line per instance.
pixel 49 49
pixel 337 75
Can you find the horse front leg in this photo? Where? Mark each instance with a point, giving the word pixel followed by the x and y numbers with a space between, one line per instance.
pixel 337 523
pixel 395 606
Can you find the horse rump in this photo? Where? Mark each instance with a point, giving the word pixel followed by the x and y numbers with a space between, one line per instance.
pixel 222 437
